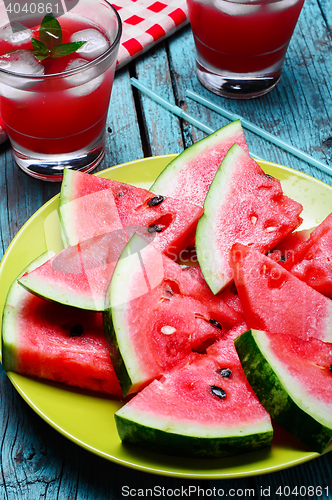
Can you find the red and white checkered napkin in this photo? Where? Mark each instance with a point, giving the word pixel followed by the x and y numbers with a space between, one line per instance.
pixel 147 22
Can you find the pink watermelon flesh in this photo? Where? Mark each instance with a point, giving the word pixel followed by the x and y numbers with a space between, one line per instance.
pixel 155 330
pixel 276 301
pixel 308 363
pixel 189 175
pixel 208 397
pixel 243 205
pixel 171 223
pixel 54 342
pixel 88 216
pixel 312 262
pixel 286 249
pixel 229 296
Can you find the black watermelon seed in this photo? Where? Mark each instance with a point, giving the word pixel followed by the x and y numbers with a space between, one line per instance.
pixel 218 391
pixel 283 258
pixel 76 330
pixel 155 201
pixel 155 228
pixel 270 176
pixel 215 323
pixel 225 372
pixel 330 368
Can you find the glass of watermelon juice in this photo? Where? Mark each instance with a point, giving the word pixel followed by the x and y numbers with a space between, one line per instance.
pixel 56 76
pixel 241 44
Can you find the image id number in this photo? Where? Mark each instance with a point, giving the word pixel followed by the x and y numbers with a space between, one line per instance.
pixel 302 491
pixel 33 8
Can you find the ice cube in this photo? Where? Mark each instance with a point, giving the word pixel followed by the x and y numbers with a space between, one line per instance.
pixel 21 61
pixel 84 82
pixel 95 44
pixel 15 94
pixel 283 4
pixel 235 9
pixel 15 33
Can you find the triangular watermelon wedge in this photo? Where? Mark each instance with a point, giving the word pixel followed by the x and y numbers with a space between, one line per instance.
pixel 55 342
pixel 292 378
pixel 243 205
pixel 205 408
pixel 158 314
pixel 169 223
pixel 189 175
pixel 79 275
pixel 276 301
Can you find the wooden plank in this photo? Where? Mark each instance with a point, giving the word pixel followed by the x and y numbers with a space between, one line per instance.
pixel 123 138
pixel 325 6
pixel 163 130
pixel 21 196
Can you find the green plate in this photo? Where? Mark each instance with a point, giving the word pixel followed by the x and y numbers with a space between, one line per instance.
pixel 88 419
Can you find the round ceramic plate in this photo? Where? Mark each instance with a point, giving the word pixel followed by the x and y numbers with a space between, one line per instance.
pixel 87 418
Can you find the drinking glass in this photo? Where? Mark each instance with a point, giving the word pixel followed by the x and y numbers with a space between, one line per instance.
pixel 57 120
pixel 241 44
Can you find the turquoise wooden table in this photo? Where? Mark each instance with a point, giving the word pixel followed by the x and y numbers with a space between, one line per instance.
pixel 36 461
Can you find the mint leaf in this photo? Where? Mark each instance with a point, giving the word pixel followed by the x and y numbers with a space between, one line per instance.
pixel 50 41
pixel 39 49
pixel 50 32
pixel 65 49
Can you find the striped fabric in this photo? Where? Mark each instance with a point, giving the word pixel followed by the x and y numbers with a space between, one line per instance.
pixel 147 22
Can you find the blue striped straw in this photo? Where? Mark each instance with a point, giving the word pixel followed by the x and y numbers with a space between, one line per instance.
pixel 262 133
pixel 176 110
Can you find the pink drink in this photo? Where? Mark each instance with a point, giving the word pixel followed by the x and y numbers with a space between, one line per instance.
pixel 243 42
pixel 57 119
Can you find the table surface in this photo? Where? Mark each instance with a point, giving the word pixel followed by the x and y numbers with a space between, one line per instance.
pixel 38 462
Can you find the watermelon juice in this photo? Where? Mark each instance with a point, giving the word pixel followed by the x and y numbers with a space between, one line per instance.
pixel 55 108
pixel 241 44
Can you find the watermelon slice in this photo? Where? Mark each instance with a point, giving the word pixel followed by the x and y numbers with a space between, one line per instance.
pixel 158 314
pixel 49 341
pixel 169 223
pixel 312 261
pixel 276 301
pixel 189 175
pixel 243 205
pixel 292 378
pixel 205 408
pixel 78 276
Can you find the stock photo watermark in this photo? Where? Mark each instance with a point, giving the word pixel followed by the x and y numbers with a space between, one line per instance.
pixel 23 10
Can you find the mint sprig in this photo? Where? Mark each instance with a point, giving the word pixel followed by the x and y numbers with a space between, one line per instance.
pixel 50 40
pixel 50 31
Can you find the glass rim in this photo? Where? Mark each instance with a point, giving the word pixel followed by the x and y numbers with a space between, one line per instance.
pixel 83 67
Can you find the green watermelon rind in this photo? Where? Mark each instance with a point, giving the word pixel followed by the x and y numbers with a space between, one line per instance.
pixel 14 299
pixel 118 363
pixel 65 197
pixel 116 331
pixel 180 163
pixel 211 260
pixel 60 294
pixel 177 438
pixel 279 394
